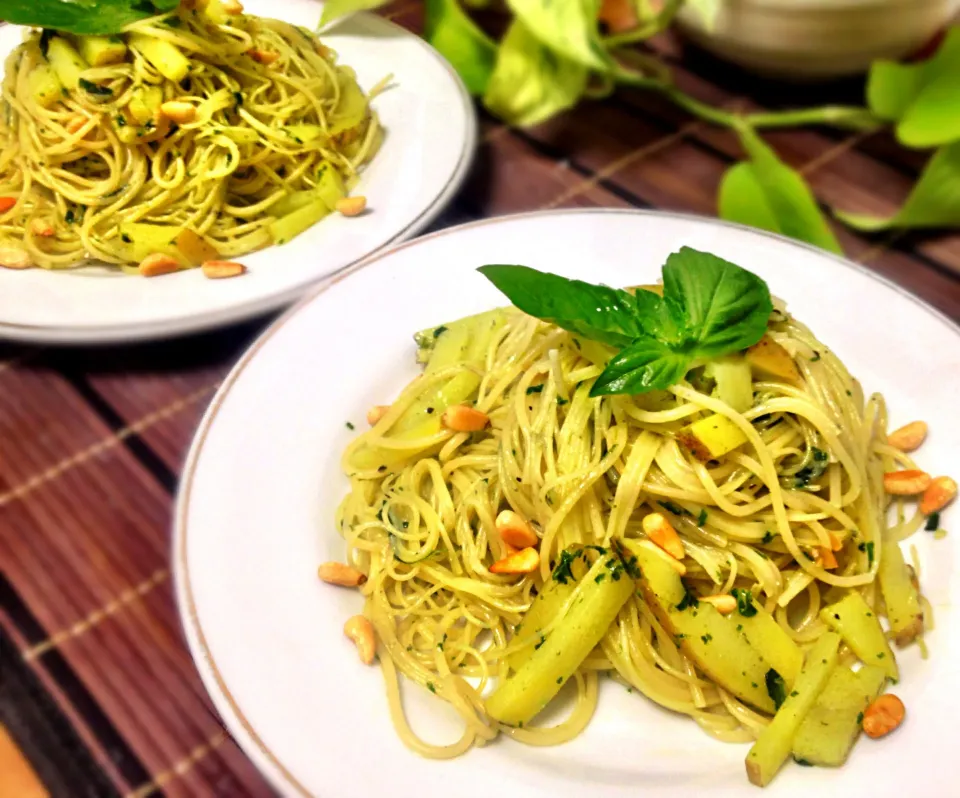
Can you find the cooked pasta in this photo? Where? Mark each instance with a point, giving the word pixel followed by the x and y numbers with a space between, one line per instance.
pixel 197 134
pixel 793 509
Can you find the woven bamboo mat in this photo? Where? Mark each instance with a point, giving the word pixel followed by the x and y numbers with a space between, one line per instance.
pixel 97 691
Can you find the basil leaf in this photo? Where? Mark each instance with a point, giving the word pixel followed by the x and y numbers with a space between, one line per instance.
pixel 458 39
pixel 933 202
pixel 531 83
pixel 647 364
pixel 718 307
pixel 568 27
pixel 768 194
pixel 333 9
pixel 608 315
pixel 922 98
pixel 86 17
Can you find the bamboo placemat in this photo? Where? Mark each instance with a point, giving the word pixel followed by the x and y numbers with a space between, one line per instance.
pixel 98 695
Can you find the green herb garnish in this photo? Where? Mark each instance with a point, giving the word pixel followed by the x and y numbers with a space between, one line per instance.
pixel 702 518
pixel 776 688
pixel 689 599
pixel 933 522
pixel 744 602
pixel 88 17
pixel 709 308
pixel 535 389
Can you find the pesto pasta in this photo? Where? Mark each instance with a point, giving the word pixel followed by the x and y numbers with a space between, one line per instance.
pixel 199 133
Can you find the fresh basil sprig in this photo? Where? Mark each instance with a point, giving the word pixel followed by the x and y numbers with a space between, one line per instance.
pixel 82 16
pixel 709 308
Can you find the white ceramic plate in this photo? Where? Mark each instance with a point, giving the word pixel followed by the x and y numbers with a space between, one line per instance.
pixel 430 138
pixel 258 495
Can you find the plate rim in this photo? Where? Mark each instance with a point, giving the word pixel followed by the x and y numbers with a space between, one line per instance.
pixel 166 330
pixel 268 763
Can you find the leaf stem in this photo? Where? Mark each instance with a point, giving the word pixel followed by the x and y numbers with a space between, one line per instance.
pixel 842 116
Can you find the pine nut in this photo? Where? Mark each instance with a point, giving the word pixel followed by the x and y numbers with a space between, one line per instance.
pixel 41 227
pixel 906 483
pixel 14 258
pixel 265 57
pixel 232 7
pixel 513 529
pixel 351 206
pixel 909 436
pixel 375 413
pixel 660 531
pixel 180 112
pixel 883 716
pixel 938 495
pixel 360 631
pixel 463 418
pixel 156 264
pixel 724 603
pixel 222 269
pixel 525 561
pixel 338 573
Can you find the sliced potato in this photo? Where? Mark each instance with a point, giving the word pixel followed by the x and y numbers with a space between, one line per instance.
pixel 293 224
pixel 734 381
pixel 45 86
pixel 852 618
pixel 544 609
pixel 711 437
pixel 304 133
pixel 830 728
pixel 145 104
pixel 66 62
pixel 771 360
pixel 773 745
pixel 899 595
pixel 330 186
pixel 141 240
pixel 601 593
pixel 710 639
pixel 162 55
pixel 101 50
pixel 194 247
pixel 771 642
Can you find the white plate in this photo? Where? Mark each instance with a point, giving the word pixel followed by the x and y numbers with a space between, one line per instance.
pixel 256 506
pixel 431 133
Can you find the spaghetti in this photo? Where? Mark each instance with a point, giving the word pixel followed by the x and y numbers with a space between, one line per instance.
pixel 225 125
pixel 795 514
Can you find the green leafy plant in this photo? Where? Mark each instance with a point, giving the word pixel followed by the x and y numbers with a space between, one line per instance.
pixel 91 17
pixel 709 308
pixel 553 54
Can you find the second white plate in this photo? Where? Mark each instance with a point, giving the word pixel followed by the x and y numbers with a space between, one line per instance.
pixel 431 133
pixel 263 479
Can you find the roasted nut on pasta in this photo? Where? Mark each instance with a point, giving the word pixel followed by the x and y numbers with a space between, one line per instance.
pixel 41 227
pixel 14 258
pixel 232 7
pixel 660 531
pixel 156 264
pixel 351 206
pixel 264 57
pixel 724 602
pixel 515 530
pixel 179 112
pixel 360 631
pixel 525 561
pixel 906 483
pixel 883 716
pixel 222 269
pixel 938 495
pixel 463 418
pixel 375 413
pixel 338 573
pixel 909 436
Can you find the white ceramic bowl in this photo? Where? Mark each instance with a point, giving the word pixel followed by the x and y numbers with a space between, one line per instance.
pixel 816 39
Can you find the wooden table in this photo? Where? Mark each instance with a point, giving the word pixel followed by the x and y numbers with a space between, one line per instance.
pixel 97 688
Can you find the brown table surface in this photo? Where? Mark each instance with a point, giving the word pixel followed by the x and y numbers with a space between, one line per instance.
pixel 97 689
